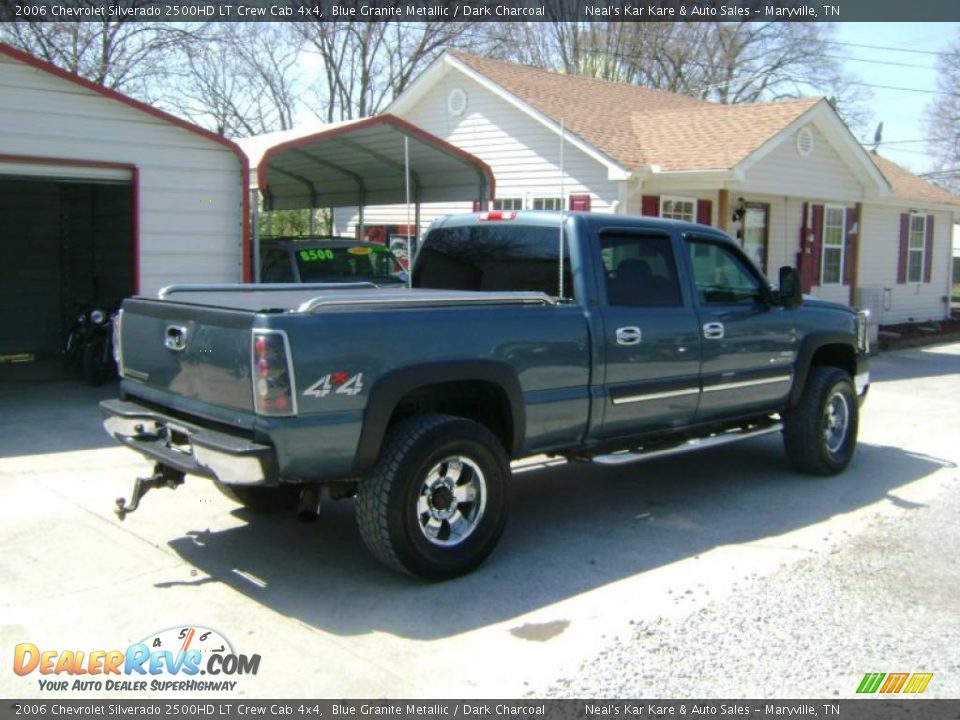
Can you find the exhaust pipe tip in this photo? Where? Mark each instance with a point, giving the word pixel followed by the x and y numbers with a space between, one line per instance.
pixel 308 510
pixel 310 516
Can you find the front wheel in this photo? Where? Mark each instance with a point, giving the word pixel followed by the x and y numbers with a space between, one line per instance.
pixel 436 503
pixel 820 433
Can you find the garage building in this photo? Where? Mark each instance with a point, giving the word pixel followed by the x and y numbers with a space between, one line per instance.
pixel 101 197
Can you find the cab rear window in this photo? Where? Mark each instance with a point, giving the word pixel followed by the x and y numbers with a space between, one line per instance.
pixel 493 257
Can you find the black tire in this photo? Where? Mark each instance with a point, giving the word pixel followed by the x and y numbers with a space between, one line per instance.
pixel 811 435
pixel 399 516
pixel 94 371
pixel 260 499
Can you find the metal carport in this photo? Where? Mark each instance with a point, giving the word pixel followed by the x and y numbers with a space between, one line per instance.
pixel 380 160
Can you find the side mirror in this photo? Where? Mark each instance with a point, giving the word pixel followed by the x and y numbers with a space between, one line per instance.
pixel 791 294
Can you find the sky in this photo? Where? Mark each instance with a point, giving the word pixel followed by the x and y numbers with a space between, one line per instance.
pixel 897 45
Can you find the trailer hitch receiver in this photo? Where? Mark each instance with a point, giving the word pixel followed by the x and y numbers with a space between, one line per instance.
pixel 163 476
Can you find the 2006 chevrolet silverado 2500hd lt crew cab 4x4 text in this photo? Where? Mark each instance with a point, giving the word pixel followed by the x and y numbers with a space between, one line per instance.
pixel 661 337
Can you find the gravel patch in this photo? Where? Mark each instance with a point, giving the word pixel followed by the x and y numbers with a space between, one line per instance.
pixel 887 600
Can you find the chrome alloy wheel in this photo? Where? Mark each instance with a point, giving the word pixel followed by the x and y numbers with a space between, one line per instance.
pixel 452 499
pixel 836 422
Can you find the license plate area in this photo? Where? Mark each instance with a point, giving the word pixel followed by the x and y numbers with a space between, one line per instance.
pixel 178 438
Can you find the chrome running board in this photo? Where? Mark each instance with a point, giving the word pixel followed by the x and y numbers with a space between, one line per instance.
pixel 685 446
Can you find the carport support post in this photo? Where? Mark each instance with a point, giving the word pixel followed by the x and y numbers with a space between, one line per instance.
pixel 416 225
pixel 255 233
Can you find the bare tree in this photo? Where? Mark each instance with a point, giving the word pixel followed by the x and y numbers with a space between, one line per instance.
pixel 941 120
pixel 124 55
pixel 239 79
pixel 365 65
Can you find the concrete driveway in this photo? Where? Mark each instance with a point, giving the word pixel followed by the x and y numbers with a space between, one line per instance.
pixel 588 552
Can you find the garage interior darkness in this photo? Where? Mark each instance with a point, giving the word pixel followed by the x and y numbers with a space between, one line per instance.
pixel 64 246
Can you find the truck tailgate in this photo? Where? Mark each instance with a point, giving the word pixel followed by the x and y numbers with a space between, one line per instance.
pixel 197 352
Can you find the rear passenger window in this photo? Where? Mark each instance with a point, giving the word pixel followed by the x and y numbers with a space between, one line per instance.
pixel 640 270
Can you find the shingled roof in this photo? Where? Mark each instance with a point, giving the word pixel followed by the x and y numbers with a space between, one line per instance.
pixel 907 186
pixel 646 127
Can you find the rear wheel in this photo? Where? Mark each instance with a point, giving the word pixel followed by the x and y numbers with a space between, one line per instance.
pixel 261 499
pixel 435 504
pixel 820 433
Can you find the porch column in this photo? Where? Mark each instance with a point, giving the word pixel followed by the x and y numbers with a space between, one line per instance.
pixel 723 210
pixel 855 273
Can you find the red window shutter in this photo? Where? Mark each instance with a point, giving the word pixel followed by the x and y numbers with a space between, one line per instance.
pixel 804 261
pixel 928 251
pixel 816 251
pixel 904 248
pixel 580 202
pixel 704 212
pixel 850 247
pixel 650 205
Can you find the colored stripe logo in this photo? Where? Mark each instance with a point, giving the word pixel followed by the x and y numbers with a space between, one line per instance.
pixel 913 683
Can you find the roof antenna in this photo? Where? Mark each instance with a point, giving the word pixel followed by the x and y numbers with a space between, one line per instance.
pixel 562 205
pixel 877 137
pixel 406 173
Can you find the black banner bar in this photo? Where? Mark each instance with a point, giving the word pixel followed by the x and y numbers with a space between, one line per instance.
pixel 481 10
pixel 875 708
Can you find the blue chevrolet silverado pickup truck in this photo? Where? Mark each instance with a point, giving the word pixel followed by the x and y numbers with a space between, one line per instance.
pixel 598 338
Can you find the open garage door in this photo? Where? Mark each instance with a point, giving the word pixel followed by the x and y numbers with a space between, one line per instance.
pixel 65 244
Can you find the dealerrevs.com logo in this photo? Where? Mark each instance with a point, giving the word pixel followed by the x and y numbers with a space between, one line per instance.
pixel 172 660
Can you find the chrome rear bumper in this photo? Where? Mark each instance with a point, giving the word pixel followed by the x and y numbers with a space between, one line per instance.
pixel 189 448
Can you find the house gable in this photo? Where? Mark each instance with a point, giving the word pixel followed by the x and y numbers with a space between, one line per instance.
pixel 522 151
pixel 425 86
pixel 819 174
pixel 816 142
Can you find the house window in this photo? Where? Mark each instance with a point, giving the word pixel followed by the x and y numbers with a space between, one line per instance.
pixel 514 203
pixel 678 208
pixel 917 240
pixel 547 203
pixel 834 232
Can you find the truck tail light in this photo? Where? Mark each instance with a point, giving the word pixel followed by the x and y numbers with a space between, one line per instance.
pixel 274 392
pixel 117 321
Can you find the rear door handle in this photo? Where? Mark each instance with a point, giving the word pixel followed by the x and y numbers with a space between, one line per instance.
pixel 629 336
pixel 713 331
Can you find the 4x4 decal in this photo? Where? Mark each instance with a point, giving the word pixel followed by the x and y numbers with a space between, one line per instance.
pixel 340 383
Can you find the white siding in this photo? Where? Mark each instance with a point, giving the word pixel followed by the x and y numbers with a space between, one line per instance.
pixel 913 302
pixel 879 252
pixel 821 174
pixel 523 155
pixel 190 223
pixel 787 180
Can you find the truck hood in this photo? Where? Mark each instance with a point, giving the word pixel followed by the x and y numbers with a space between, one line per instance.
pixel 810 301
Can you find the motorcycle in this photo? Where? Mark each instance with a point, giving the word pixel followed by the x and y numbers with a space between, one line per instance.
pixel 89 346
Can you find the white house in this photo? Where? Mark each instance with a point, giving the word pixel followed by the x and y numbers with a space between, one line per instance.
pixel 102 196
pixel 787 178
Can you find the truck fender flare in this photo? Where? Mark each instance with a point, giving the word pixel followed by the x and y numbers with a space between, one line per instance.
pixel 808 348
pixel 393 386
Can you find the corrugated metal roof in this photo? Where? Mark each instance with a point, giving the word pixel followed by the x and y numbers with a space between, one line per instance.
pixel 362 162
